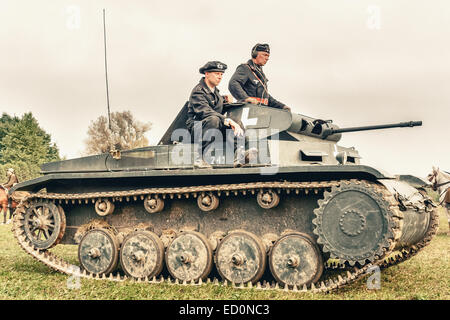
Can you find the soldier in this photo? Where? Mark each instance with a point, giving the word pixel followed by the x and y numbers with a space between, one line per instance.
pixel 249 83
pixel 205 109
pixel 12 179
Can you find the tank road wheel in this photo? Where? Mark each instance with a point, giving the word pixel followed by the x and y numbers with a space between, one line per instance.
pixel 268 199
pixel 189 256
pixel 142 254
pixel 45 224
pixel 241 257
pixel 153 204
pixel 295 260
pixel 98 251
pixel 207 201
pixel 354 223
pixel 103 207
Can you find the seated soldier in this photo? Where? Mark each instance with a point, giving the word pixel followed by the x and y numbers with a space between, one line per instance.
pixel 205 110
pixel 12 179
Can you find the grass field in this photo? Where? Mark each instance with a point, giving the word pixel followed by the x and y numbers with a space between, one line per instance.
pixel 425 276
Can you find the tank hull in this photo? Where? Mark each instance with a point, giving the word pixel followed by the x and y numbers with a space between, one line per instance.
pixel 295 212
pixel 303 201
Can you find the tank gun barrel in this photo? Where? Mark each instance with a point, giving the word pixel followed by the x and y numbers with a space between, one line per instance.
pixel 331 131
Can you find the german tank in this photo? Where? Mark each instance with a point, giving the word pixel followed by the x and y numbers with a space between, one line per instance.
pixel 301 212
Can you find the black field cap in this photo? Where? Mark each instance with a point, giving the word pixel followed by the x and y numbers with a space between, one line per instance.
pixel 213 66
pixel 261 47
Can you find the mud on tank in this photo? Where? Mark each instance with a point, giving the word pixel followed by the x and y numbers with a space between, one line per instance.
pixel 143 213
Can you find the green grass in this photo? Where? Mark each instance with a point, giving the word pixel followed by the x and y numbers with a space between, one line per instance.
pixel 425 276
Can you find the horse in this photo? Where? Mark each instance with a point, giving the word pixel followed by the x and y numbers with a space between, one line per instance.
pixel 440 182
pixel 4 204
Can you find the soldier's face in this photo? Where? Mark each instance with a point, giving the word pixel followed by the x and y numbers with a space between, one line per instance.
pixel 214 78
pixel 262 58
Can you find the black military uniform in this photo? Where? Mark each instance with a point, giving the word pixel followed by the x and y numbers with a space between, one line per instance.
pixel 249 80
pixel 205 106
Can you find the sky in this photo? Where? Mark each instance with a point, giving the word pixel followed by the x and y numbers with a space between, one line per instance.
pixel 356 62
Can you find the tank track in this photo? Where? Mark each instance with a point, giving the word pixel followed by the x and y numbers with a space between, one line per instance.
pixel 352 273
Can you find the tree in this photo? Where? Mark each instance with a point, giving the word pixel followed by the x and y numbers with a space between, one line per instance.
pixel 25 146
pixel 125 133
pixel 6 122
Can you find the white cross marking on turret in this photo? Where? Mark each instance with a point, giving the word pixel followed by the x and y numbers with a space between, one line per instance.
pixel 245 120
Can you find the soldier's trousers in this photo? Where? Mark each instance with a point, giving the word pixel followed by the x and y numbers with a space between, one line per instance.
pixel 210 132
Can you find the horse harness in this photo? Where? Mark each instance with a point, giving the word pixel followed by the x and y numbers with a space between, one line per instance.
pixel 436 185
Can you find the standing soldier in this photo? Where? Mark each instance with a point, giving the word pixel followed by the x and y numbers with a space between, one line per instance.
pixel 205 109
pixel 12 180
pixel 249 83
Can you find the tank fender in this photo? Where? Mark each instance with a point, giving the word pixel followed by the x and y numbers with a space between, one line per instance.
pixel 407 196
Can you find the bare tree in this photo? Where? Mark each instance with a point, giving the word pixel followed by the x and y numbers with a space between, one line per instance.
pixel 125 133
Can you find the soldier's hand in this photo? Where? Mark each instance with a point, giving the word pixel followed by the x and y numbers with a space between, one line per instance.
pixel 251 100
pixel 286 108
pixel 236 129
pixel 229 98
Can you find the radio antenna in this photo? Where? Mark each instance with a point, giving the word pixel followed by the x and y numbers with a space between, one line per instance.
pixel 106 70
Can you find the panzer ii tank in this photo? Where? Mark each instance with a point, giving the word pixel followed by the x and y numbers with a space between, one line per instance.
pixel 301 209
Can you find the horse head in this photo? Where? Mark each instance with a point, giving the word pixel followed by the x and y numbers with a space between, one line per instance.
pixel 432 177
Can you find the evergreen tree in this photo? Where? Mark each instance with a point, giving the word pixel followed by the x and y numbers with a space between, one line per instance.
pixel 6 121
pixel 26 146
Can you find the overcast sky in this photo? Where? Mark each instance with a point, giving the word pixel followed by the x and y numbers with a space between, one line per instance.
pixel 357 62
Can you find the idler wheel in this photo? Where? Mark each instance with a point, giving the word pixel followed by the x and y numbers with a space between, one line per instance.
pixel 354 223
pixel 44 224
pixel 189 256
pixel 98 251
pixel 142 254
pixel 153 204
pixel 268 199
pixel 207 201
pixel 241 257
pixel 295 260
pixel 103 207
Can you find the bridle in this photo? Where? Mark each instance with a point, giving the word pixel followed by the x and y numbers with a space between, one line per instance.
pixel 433 179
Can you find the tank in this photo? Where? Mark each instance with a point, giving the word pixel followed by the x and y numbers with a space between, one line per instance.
pixel 303 214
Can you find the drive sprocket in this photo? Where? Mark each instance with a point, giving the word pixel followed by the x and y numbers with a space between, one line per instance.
pixel 356 222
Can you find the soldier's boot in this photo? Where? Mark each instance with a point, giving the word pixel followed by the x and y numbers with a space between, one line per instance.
pixel 243 158
pixel 239 157
pixel 10 214
pixel 201 164
pixel 251 156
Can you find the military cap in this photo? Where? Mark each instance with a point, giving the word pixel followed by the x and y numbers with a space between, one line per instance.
pixel 213 66
pixel 260 47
